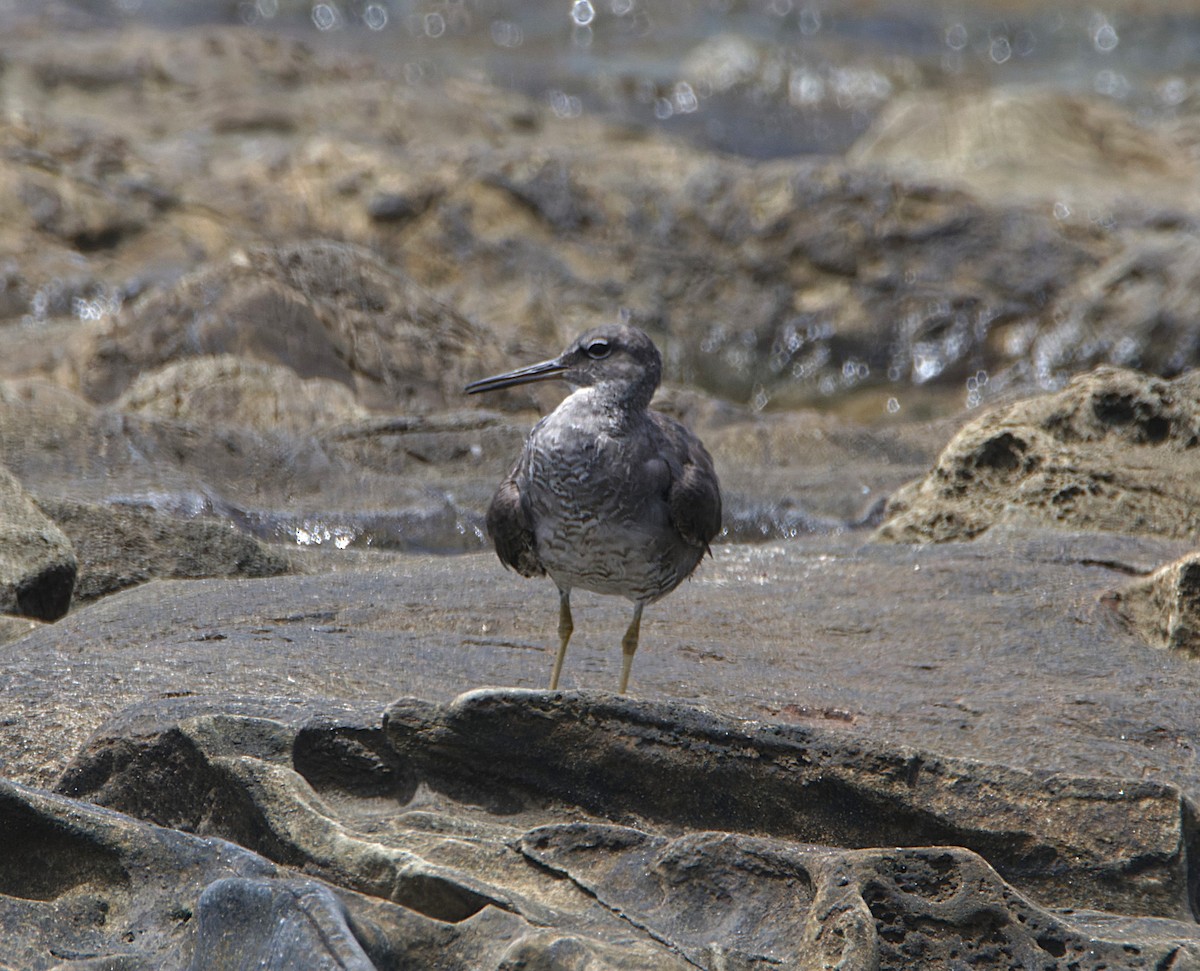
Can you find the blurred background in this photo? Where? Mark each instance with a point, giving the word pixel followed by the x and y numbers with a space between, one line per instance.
pixel 256 248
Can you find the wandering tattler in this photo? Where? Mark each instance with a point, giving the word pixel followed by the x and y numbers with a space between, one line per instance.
pixel 607 495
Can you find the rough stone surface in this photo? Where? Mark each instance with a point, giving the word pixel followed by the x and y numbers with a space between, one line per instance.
pixel 1022 140
pixel 227 390
pixel 1164 607
pixel 1115 450
pixel 37 562
pixel 323 309
pixel 534 808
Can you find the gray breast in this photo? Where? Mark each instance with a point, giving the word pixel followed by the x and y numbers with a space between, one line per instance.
pixel 597 501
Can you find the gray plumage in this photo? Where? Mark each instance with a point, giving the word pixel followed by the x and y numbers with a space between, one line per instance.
pixel 607 494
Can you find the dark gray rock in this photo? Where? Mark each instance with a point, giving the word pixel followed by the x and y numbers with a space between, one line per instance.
pixel 1104 845
pixel 243 922
pixel 118 547
pixel 37 562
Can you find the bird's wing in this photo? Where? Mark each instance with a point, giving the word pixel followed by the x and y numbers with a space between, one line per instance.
pixel 693 495
pixel 511 532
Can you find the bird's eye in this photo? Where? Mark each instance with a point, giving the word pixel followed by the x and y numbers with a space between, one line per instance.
pixel 598 350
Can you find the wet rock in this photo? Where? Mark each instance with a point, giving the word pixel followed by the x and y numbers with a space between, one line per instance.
pixel 119 547
pixel 1115 450
pixel 1138 309
pixel 452 845
pixel 1164 607
pixel 770 283
pixel 924 647
pixel 37 562
pixel 393 483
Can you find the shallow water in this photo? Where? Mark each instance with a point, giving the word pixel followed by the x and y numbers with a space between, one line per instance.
pixel 774 78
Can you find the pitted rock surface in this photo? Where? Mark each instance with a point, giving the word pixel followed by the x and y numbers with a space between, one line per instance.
pixel 512 819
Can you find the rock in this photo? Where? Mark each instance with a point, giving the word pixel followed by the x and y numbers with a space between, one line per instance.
pixel 1115 450
pixel 325 310
pixel 1164 607
pixel 170 364
pixel 373 482
pixel 244 922
pixel 777 282
pixel 801 784
pixel 81 882
pixel 227 390
pixel 37 563
pixel 120 547
pixel 589 789
pixel 84 887
pixel 1138 309
pixel 842 635
pixel 1029 141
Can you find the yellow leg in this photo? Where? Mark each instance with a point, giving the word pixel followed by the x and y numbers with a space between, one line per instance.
pixel 565 627
pixel 629 646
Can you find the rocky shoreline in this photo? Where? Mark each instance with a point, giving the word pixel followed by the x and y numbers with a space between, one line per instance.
pixel 270 700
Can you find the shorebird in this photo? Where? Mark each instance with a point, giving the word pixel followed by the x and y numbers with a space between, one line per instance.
pixel 607 494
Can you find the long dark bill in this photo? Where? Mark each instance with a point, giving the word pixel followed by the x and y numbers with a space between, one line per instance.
pixel 546 371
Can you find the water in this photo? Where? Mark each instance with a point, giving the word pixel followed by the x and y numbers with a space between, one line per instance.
pixel 773 78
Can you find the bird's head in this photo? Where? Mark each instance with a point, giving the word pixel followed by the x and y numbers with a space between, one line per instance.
pixel 617 358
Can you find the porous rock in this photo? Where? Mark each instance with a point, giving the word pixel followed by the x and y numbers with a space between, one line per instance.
pixel 512 822
pixel 37 563
pixel 1164 607
pixel 1115 450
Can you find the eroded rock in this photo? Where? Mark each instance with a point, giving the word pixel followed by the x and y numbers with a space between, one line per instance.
pixel 1164 607
pixel 442 811
pixel 1116 450
pixel 227 390
pixel 324 309
pixel 118 547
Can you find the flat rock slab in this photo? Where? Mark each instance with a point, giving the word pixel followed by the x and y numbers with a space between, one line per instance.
pixel 1003 649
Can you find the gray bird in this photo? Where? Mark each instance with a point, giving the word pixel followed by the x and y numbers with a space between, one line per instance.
pixel 607 495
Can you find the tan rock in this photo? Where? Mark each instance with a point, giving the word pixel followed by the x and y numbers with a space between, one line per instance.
pixel 226 390
pixel 1028 142
pixel 1164 607
pixel 1115 450
pixel 324 309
